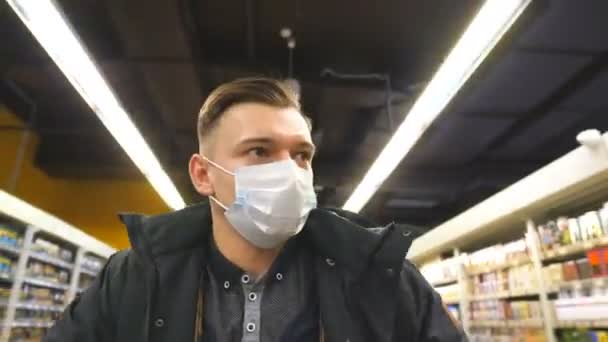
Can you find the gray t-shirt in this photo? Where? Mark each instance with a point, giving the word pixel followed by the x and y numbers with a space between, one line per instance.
pixel 280 306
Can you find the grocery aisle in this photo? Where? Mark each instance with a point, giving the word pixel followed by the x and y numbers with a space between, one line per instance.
pixel 44 265
pixel 548 280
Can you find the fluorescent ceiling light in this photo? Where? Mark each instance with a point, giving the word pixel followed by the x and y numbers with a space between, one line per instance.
pixel 491 22
pixel 46 22
pixel 28 214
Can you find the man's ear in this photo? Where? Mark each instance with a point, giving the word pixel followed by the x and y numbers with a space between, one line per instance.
pixel 199 175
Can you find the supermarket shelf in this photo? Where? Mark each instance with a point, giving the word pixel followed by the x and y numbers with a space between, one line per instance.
pixel 46 283
pixel 488 324
pixel 473 271
pixel 444 282
pixel 51 260
pixel 32 223
pixel 523 293
pixel 578 284
pixel 31 324
pixel 89 272
pixel 582 324
pixel 566 251
pixel 505 295
pixel 490 296
pixel 525 323
pixel 453 301
pixel 39 307
pixel 10 249
pixel 6 276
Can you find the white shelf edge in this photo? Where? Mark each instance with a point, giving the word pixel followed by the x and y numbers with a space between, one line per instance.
pixel 51 260
pixel 39 307
pixel 603 323
pixel 45 283
pixel 569 250
pixel 25 212
pixel 31 324
pixel 593 282
pixel 89 272
pixel 548 187
pixel 10 249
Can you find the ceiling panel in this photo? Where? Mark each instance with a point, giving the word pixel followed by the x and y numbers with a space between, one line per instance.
pixel 570 25
pixel 591 97
pixel 520 81
pixel 523 143
pixel 457 139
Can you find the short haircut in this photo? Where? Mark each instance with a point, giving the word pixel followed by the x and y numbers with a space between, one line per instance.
pixel 266 91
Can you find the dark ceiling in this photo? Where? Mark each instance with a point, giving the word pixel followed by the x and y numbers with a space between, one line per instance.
pixel 544 83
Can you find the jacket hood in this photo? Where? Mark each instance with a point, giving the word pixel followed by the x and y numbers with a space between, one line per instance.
pixel 346 237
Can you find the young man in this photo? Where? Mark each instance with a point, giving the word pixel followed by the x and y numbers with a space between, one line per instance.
pixel 258 261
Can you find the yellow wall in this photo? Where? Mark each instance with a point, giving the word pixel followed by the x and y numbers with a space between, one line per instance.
pixel 90 205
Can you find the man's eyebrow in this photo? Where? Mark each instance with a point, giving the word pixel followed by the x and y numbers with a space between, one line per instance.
pixel 270 141
pixel 256 140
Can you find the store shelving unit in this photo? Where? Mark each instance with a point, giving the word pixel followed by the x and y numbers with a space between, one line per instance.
pixel 42 280
pixel 576 182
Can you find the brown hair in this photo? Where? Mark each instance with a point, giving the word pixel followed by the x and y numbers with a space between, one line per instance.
pixel 257 90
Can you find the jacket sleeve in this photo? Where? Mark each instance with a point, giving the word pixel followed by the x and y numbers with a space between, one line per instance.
pixel 88 318
pixel 433 322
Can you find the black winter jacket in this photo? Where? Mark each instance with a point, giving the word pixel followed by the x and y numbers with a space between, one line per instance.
pixel 150 293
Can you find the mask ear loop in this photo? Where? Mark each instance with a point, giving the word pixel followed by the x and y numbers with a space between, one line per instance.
pixel 221 169
pixel 218 166
pixel 218 202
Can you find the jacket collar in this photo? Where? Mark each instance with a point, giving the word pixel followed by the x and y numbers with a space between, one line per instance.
pixel 344 237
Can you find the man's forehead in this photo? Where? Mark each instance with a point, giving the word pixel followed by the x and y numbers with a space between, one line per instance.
pixel 258 120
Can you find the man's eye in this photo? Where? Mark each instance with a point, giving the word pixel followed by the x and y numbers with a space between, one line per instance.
pixel 303 156
pixel 258 152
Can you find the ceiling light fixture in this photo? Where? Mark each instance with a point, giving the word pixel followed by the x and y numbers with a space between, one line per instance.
pixel 49 26
pixel 491 22
pixel 26 213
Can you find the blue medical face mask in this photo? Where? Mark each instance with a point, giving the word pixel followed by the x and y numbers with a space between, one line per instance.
pixel 272 201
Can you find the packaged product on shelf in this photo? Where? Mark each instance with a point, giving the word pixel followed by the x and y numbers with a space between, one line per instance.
pixel 8 236
pixel 570 271
pixel 584 269
pixel 63 277
pixel 6 265
pixel 603 213
pixel 605 259
pixel 66 254
pixel 564 231
pixel 591 225
pixel 546 238
pixel 26 334
pixel 5 292
pixel 96 264
pixel 575 230
pixel 35 269
pixel 598 267
pixel 85 282
pixel 43 246
pixel 50 272
pixel 520 279
pixel 553 273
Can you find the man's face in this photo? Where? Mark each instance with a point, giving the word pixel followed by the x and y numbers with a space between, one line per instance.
pixel 250 134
